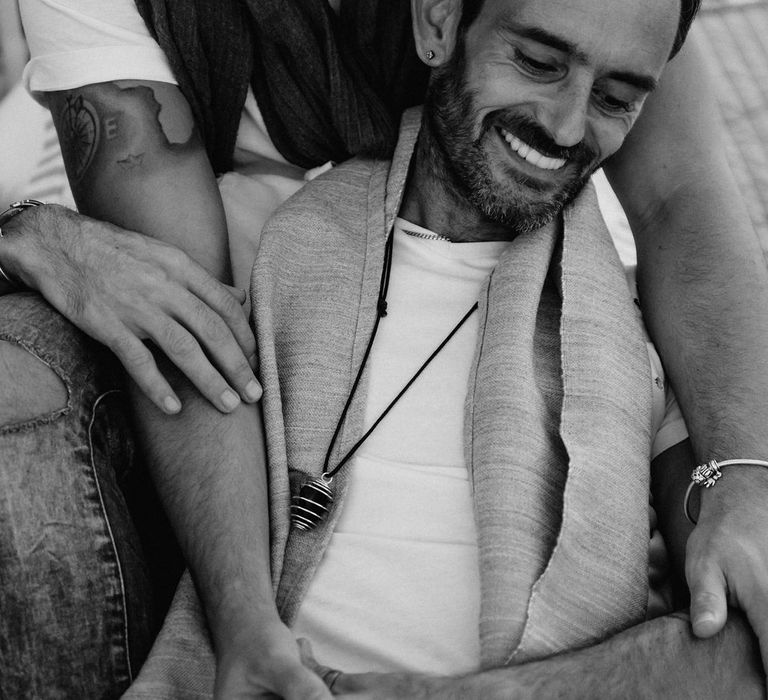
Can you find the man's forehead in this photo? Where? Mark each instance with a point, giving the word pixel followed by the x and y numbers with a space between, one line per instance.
pixel 590 27
pixel 554 8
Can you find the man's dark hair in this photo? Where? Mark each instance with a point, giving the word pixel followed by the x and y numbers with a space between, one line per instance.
pixel 688 9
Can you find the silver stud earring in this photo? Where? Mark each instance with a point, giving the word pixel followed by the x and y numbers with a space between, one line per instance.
pixel 430 54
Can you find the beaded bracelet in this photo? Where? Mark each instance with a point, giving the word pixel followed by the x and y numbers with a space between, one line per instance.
pixel 5 217
pixel 706 475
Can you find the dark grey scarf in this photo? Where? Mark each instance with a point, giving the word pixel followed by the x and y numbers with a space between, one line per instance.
pixel 329 87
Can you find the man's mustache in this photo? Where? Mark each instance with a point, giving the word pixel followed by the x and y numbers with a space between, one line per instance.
pixel 534 135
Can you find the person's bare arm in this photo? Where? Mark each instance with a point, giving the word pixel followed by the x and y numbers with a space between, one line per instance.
pixel 210 470
pixel 655 660
pixel 134 160
pixel 704 290
pixel 701 272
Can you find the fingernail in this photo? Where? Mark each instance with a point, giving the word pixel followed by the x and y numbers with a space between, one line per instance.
pixel 253 390
pixel 705 618
pixel 171 404
pixel 230 399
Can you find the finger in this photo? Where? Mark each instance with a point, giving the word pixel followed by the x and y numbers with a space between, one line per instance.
pixel 132 353
pixel 181 348
pixel 709 606
pixel 758 620
pixel 217 339
pixel 307 655
pixel 752 598
pixel 219 298
pixel 349 683
pixel 141 367
pixel 302 685
pixel 238 293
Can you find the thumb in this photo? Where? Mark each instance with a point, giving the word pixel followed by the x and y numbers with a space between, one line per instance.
pixel 709 606
pixel 306 653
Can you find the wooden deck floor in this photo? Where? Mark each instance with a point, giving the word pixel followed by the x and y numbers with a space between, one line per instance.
pixel 734 36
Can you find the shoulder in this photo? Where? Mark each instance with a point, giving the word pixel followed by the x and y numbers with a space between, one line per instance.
pixel 334 203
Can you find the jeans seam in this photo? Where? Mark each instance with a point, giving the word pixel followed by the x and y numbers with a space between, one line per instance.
pixel 21 426
pixel 109 531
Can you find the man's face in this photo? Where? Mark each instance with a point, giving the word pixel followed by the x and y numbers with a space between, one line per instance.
pixel 538 93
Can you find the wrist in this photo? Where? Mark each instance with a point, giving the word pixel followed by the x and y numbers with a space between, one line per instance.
pixel 12 276
pixel 241 609
pixel 728 494
pixel 249 630
pixel 16 227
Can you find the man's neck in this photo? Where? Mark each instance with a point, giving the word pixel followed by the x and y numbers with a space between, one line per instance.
pixel 429 201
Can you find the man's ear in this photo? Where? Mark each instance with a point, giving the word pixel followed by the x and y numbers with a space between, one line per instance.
pixel 435 27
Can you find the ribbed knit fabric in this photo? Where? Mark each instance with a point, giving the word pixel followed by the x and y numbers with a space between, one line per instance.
pixel 329 87
pixel 561 501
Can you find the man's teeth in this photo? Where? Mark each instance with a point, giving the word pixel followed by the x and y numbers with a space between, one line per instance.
pixel 531 155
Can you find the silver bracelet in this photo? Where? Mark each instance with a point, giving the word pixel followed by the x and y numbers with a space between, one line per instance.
pixel 706 476
pixel 5 217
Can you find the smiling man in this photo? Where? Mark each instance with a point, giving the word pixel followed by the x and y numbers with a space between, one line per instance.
pixel 528 103
pixel 459 405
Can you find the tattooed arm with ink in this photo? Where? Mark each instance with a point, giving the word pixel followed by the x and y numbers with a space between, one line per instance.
pixel 135 165
pixel 135 160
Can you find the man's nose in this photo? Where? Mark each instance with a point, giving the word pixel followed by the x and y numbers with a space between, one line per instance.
pixel 564 116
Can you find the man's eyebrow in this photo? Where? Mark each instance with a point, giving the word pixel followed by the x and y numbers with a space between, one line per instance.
pixel 542 36
pixel 646 83
pixel 642 82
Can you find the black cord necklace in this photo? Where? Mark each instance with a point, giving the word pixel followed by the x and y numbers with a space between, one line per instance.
pixel 313 502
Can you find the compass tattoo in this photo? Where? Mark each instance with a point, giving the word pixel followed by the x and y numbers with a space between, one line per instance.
pixel 80 134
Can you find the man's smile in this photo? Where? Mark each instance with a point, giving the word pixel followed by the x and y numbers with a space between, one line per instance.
pixel 529 154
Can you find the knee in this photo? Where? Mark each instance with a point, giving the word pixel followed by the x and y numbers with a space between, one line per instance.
pixel 29 389
pixel 46 363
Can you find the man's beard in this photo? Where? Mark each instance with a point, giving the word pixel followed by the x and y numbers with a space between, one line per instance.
pixel 462 165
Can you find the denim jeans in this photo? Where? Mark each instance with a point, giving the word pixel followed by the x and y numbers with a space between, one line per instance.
pixel 76 600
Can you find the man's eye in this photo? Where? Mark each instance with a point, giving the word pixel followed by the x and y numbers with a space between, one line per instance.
pixel 534 67
pixel 613 104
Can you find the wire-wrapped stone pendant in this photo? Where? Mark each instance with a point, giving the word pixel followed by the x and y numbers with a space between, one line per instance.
pixel 311 505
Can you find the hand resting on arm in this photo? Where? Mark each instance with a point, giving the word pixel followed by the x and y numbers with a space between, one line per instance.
pixel 123 288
